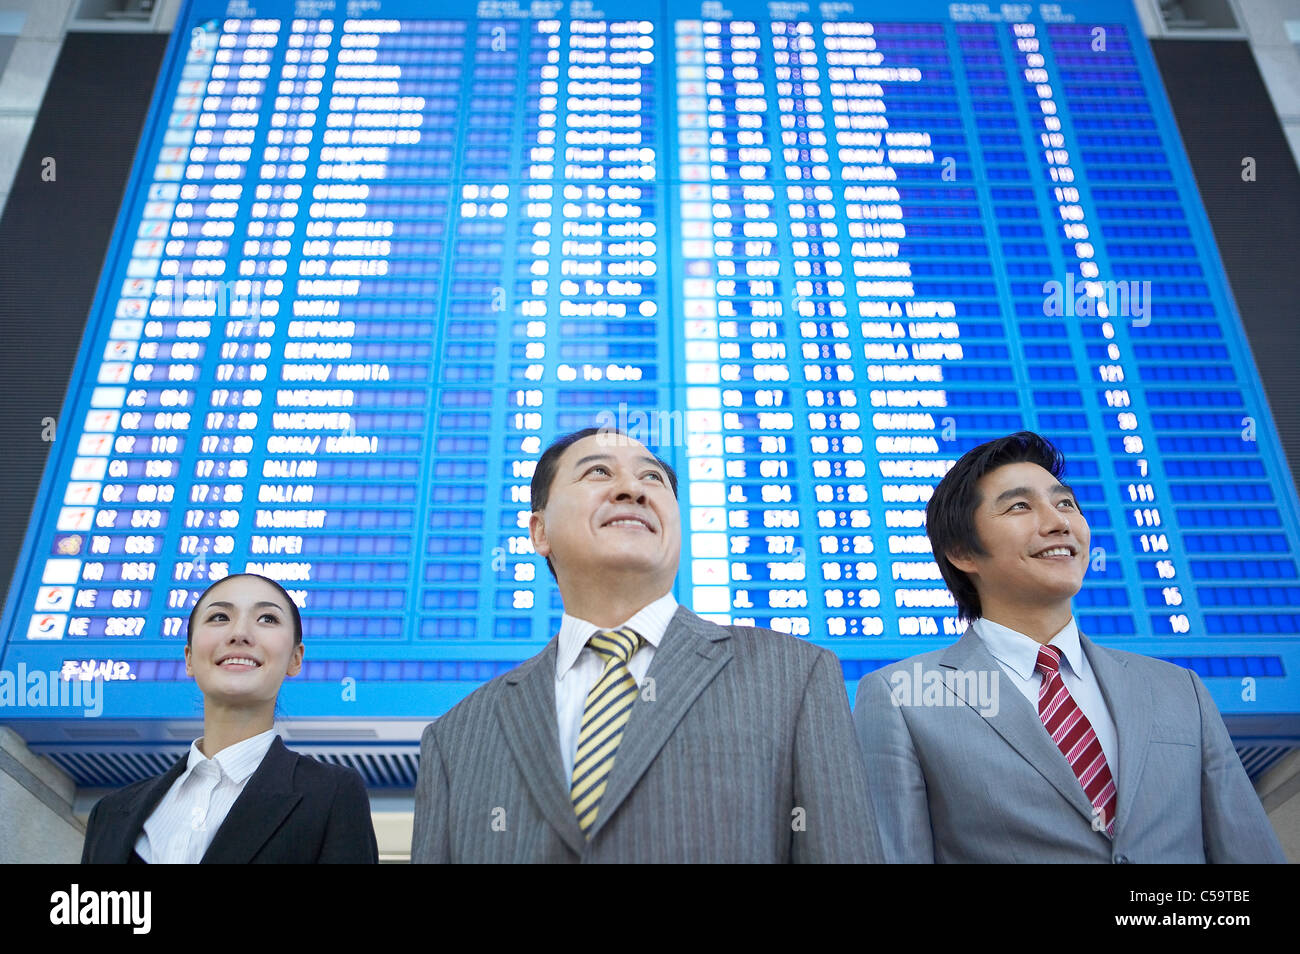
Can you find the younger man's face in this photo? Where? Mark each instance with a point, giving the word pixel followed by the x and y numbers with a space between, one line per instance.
pixel 1034 536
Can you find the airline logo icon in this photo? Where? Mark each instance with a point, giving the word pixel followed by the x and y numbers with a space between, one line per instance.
pixel 94 445
pixel 76 518
pixel 132 308
pixel 67 544
pixel 89 468
pixel 164 191
pixel 101 421
pixel 54 598
pixel 712 599
pixel 47 626
pixel 709 572
pixel 120 351
pixel 142 268
pixel 108 397
pixel 706 468
pixel 86 494
pixel 708 545
pixel 61 571
pixel 114 373
pixel 708 519
pixel 126 328
pixel 140 287
pixel 704 422
pixel 704 444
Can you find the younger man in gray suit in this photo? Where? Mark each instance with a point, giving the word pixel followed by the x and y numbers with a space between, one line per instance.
pixel 1039 745
pixel 641 733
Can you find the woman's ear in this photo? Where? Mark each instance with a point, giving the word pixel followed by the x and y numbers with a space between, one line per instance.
pixel 189 670
pixel 295 660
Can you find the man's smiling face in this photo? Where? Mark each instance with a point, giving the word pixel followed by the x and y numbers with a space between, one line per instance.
pixel 610 508
pixel 1034 537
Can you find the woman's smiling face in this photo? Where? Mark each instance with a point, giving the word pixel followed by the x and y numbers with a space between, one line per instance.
pixel 243 642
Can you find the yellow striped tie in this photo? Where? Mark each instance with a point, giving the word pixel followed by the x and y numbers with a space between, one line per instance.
pixel 609 706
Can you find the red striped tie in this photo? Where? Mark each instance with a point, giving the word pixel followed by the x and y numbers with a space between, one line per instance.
pixel 1074 736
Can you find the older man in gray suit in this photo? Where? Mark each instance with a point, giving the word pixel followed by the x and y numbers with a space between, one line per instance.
pixel 1025 741
pixel 641 733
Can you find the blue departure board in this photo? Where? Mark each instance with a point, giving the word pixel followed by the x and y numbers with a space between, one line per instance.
pixel 373 257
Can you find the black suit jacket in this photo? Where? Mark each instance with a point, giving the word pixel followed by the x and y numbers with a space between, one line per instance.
pixel 293 810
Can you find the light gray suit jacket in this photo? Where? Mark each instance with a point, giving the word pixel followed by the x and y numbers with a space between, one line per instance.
pixel 745 753
pixel 953 784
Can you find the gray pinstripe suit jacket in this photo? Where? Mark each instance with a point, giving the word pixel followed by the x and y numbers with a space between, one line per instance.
pixel 745 754
pixel 953 783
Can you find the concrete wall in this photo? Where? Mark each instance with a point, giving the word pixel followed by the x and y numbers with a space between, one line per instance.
pixel 36 820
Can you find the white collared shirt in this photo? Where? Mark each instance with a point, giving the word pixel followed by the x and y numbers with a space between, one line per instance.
pixel 1017 654
pixel 184 822
pixel 578 666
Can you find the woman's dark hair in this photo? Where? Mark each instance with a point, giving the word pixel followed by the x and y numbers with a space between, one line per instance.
pixel 293 607
pixel 539 491
pixel 950 514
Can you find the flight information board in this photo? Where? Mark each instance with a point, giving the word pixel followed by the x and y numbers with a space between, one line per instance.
pixel 374 256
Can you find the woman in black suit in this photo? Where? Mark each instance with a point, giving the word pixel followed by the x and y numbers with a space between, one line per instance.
pixel 240 796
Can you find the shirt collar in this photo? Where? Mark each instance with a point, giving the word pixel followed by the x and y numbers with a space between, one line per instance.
pixel 1020 653
pixel 235 762
pixel 650 622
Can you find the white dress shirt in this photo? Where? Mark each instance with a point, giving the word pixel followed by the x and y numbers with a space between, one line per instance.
pixel 1017 654
pixel 186 819
pixel 578 666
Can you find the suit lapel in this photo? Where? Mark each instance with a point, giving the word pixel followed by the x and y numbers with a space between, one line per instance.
pixel 260 809
pixel 1131 708
pixel 132 816
pixel 1016 720
pixel 691 654
pixel 526 711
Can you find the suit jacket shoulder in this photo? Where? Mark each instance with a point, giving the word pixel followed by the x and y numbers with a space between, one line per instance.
pixel 739 748
pixel 117 819
pixel 297 810
pixel 293 809
pixel 481 703
pixel 758 641
pixel 125 798
pixel 964 778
